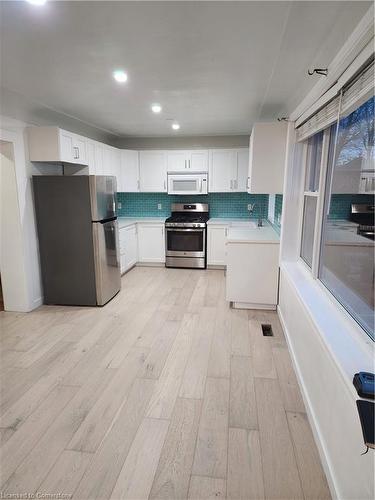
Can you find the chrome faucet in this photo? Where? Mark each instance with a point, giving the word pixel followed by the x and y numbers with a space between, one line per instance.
pixel 251 208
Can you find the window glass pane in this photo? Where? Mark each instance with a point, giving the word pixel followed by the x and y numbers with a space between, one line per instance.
pixel 314 158
pixel 308 229
pixel 347 253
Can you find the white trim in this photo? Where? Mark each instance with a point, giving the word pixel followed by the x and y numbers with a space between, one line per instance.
pixel 326 309
pixel 340 69
pixel 320 203
pixel 313 421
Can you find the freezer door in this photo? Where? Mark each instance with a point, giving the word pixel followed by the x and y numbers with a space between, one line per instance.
pixel 103 197
pixel 107 260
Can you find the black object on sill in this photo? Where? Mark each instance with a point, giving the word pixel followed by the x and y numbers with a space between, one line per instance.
pixel 364 382
pixel 267 330
pixel 366 416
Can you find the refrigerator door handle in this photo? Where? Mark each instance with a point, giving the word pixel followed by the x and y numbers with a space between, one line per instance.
pixel 107 261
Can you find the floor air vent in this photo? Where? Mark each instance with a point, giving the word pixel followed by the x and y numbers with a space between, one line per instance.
pixel 267 330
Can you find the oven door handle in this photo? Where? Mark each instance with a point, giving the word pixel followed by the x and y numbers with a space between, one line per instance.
pixel 194 230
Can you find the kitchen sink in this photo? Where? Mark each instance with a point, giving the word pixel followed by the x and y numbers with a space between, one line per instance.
pixel 249 224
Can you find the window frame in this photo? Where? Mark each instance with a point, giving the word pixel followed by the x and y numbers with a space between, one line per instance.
pixel 323 193
pixel 320 196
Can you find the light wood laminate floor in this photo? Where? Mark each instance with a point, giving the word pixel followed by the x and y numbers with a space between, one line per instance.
pixel 164 393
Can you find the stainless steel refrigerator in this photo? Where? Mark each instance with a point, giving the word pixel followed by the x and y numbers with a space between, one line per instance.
pixel 78 238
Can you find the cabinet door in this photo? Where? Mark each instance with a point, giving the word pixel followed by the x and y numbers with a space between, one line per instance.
pixel 223 170
pixel 129 171
pixel 90 150
pixel 79 150
pixel 99 166
pixel 177 161
pixel 131 250
pixel 151 246
pixel 268 143
pixel 198 161
pixel 216 236
pixel 111 161
pixel 116 169
pixel 66 147
pixel 153 171
pixel 242 170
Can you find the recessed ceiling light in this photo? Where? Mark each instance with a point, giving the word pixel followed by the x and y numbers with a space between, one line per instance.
pixel 120 76
pixel 175 126
pixel 37 2
pixel 156 108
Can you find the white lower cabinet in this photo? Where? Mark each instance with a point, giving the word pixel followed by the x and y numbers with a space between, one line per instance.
pixel 252 275
pixel 216 252
pixel 151 243
pixel 128 247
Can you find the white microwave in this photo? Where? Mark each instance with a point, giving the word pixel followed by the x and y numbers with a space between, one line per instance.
pixel 187 183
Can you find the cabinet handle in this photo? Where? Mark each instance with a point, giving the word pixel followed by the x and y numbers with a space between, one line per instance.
pixel 185 164
pixel 138 185
pixel 75 153
pixel 226 232
pixel 189 163
pixel 231 183
pixel 248 183
pixel 164 186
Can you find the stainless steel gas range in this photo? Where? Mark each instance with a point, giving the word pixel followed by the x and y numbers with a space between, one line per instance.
pixel 186 236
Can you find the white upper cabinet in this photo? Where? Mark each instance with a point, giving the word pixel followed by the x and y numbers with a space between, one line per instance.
pixel 177 161
pixel 267 156
pixel 198 161
pixel 129 171
pixel 187 161
pixel 222 170
pixel 52 144
pixel 153 171
pixel 90 152
pixel 242 170
pixel 99 165
pixel 228 170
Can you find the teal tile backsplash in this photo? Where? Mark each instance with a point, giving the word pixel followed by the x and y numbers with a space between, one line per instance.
pixel 221 204
pixel 341 204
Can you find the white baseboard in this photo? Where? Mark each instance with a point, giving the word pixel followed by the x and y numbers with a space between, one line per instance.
pixel 326 463
pixel 249 305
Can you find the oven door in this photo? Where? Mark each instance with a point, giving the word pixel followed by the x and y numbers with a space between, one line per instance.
pixel 185 242
pixel 187 184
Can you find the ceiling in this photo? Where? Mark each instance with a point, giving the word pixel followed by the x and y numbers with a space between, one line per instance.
pixel 215 67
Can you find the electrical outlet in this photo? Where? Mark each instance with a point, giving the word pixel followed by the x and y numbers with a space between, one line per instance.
pixel 159 206
pixel 250 207
pixel 119 204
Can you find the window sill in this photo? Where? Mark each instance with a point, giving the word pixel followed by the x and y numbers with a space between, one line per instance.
pixel 349 346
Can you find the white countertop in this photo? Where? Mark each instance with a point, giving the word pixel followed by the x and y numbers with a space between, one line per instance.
pixel 129 221
pixel 230 221
pixel 343 232
pixel 264 234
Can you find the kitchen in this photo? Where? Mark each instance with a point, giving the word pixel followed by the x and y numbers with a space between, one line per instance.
pixel 219 209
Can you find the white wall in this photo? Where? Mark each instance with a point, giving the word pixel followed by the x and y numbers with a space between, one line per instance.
pixel 202 142
pixel 26 254
pixel 11 243
pixel 329 399
pixel 327 349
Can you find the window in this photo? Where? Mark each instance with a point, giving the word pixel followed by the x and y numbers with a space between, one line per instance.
pixel 347 252
pixel 313 166
pixel 308 229
pixel 337 235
